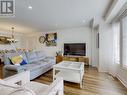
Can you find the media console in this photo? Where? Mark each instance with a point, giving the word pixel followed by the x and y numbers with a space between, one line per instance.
pixel 73 58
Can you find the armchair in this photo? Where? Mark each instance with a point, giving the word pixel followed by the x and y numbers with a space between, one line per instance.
pixel 20 84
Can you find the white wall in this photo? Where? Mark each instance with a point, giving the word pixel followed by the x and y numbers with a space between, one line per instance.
pixel 18 36
pixel 75 35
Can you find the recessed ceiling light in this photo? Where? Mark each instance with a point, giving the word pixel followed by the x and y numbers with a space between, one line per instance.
pixel 83 21
pixel 30 7
pixel 56 25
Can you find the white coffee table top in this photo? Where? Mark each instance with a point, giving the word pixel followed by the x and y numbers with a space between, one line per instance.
pixel 69 65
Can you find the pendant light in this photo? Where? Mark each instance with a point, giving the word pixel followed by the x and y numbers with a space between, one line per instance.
pixel 12 39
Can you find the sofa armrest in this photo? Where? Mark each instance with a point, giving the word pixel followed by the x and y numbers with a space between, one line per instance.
pixel 12 68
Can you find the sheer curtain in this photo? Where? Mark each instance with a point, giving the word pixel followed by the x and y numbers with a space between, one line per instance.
pixel 113 68
pixel 116 43
pixel 124 43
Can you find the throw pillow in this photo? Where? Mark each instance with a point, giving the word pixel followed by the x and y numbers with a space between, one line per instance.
pixel 18 60
pixel 23 62
pixel 10 61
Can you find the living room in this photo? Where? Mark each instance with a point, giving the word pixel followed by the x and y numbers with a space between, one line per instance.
pixel 62 32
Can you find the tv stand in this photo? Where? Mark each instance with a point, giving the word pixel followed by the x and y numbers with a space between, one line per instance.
pixel 73 58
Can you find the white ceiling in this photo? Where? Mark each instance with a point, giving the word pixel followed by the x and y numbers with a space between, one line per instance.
pixel 45 14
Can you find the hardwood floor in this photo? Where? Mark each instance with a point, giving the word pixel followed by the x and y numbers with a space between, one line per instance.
pixel 94 83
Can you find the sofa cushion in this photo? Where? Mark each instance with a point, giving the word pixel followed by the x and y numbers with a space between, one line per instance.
pixel 50 60
pixel 31 57
pixel 40 55
pixel 34 66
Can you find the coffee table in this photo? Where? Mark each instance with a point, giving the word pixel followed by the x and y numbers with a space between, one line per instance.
pixel 70 71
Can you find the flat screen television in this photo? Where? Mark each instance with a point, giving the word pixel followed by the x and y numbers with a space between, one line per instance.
pixel 76 49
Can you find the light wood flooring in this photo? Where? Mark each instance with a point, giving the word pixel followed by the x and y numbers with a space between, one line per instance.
pixel 94 83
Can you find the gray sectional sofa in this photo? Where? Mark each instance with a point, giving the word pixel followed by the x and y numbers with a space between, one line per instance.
pixel 37 61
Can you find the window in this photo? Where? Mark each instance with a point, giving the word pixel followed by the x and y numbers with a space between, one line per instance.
pixel 124 42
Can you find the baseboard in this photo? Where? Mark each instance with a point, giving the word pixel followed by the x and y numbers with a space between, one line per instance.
pixel 122 81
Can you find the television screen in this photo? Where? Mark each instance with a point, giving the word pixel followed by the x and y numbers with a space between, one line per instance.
pixel 78 49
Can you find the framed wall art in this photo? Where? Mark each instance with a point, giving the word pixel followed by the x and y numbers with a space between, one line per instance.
pixel 51 39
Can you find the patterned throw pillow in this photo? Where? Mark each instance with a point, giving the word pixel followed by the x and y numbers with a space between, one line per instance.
pixel 18 60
